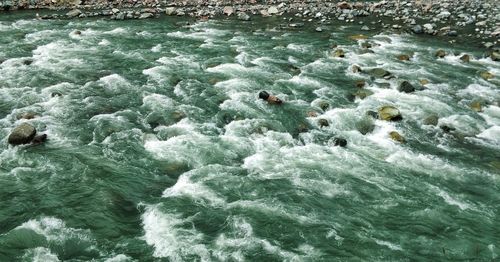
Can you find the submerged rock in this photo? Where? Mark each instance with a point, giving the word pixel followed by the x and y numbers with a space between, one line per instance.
pixel 356 69
pixel 440 53
pixel 476 106
pixel 360 83
pixel 431 120
pixel 358 37
pixel 417 29
pixel 486 75
pixel 365 125
pixel 379 73
pixel 363 93
pixel 396 137
pixel 243 16
pixel 27 115
pixel 404 57
pixel 389 113
pixel 339 53
pixel 372 114
pixel 424 82
pixel 323 122
pixel 465 58
pixel 338 141
pixel 406 87
pixel 22 134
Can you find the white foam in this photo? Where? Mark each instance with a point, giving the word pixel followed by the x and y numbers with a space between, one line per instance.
pixel 117 31
pixel 170 238
pixel 40 254
pixel 491 134
pixel 157 48
pixel 55 229
pixel 388 244
pixel 104 42
pixel 119 258
pixel 449 199
pixel 197 191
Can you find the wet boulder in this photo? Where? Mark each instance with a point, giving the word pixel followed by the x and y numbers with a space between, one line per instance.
pixel 360 83
pixel 431 120
pixel 323 122
pixel 22 134
pixel 440 53
pixel 465 58
pixel 397 137
pixel 379 73
pixel 339 53
pixel 339 141
pixel 486 75
pixel 362 93
pixel 356 69
pixel 372 114
pixel 389 113
pixel 243 16
pixel 495 56
pixel 170 11
pixel 476 106
pixel 403 57
pixel 406 87
pixel 365 125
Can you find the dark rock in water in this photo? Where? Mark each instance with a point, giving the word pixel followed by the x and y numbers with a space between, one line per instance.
pixel 28 62
pixel 404 57
pixel 486 75
pixel 366 45
pixel 22 134
pixel 379 73
pixel 453 33
pixel 324 105
pixel 417 29
pixel 243 16
pixel 360 83
pixel 465 58
pixel 365 125
pixel 495 56
pixel 27 115
pixel 146 15
pixel 363 93
pixel 356 69
pixel 447 129
pixel 74 13
pixel 39 139
pixel 383 85
pixel 323 122
pixel 372 114
pixel 389 113
pixel 476 106
pixel 406 87
pixel 338 141
pixel 396 137
pixel 54 94
pixel 440 53
pixel 339 53
pixel 431 120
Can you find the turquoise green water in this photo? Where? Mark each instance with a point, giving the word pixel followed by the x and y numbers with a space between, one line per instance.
pixel 159 149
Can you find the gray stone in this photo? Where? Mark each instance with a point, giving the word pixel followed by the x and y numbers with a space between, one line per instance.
pixel 417 29
pixel 228 10
pixel 243 16
pixel 74 13
pixel 319 29
pixel 272 10
pixel 379 73
pixel 406 87
pixel 431 120
pixel 146 15
pixel 365 28
pixel 22 134
pixel 443 15
pixel 120 16
pixel 170 11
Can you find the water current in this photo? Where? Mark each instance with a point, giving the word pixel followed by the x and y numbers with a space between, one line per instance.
pixel 160 150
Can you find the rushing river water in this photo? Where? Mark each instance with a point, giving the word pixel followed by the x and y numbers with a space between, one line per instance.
pixel 160 150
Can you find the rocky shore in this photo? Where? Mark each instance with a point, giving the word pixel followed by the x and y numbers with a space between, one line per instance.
pixel 478 19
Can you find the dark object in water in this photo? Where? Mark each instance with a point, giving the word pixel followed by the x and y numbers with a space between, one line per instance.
pixel 39 139
pixel 269 98
pixel 338 141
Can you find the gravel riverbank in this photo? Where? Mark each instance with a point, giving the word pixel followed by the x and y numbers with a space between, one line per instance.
pixel 478 19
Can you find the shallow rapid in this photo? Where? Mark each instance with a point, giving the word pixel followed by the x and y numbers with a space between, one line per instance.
pixel 160 150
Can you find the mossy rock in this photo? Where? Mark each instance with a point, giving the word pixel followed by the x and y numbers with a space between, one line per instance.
pixel 397 137
pixel 389 113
